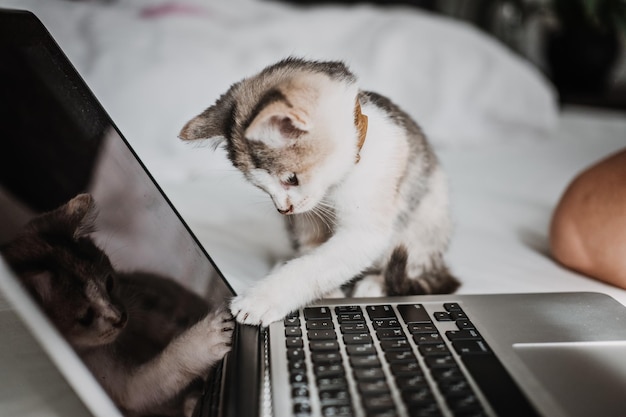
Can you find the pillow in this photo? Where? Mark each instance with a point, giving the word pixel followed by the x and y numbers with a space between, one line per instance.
pixel 155 64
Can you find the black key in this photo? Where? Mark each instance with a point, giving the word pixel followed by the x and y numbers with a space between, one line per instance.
pixel 426 410
pixel 291 321
pixel 426 338
pixel 467 334
pixel 380 312
pixel 452 388
pixel 356 327
pixel 452 307
pixel 433 349
pixel 298 377
pixel 367 349
pixel 464 324
pixel 405 369
pixel 335 397
pixel 293 331
pixel 421 328
pixel 377 386
pixel 458 315
pixel 440 361
pixel 302 408
pixel 413 313
pixel 395 344
pixel 326 357
pixel 398 356
pixel 294 342
pixel 297 365
pixel 320 324
pixel 324 345
pixel 389 334
pixel 464 403
pixel 337 411
pixel 350 317
pixel 411 382
pixel 445 375
pixel 357 338
pixel 498 386
pixel 329 370
pixel 369 374
pixel 295 354
pixel 418 396
pixel 469 347
pixel 348 309
pixel 300 392
pixel 378 402
pixel 386 324
pixel 317 313
pixel 332 383
pixel 366 361
pixel 321 335
pixel 442 316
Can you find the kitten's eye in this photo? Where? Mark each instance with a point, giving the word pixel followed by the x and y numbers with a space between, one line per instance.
pixel 110 283
pixel 292 180
pixel 87 318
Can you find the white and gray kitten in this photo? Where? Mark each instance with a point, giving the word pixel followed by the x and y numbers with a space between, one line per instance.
pixel 364 195
pixel 145 338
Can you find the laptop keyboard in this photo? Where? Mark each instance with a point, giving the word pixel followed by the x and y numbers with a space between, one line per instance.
pixel 397 363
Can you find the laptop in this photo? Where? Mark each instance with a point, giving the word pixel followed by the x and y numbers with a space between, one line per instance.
pixel 546 354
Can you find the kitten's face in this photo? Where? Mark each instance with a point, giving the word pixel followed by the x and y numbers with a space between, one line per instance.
pixel 290 130
pixel 68 275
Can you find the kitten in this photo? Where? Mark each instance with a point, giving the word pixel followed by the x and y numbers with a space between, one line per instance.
pixel 144 337
pixel 363 193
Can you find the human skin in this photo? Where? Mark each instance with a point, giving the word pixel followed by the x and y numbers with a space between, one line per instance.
pixel 588 228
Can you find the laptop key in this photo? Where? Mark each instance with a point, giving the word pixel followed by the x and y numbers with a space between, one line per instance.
pixel 366 349
pixel 317 313
pixel 470 347
pixel 326 357
pixel 452 307
pixel 323 345
pixel 327 371
pixel 395 344
pixel 320 324
pixel 378 386
pixel 293 331
pixel 426 338
pixel 337 411
pixel 421 328
pixel 467 334
pixel 433 349
pixel 321 335
pixel 378 403
pixel 386 324
pixel 369 361
pixel 357 338
pixel 380 312
pixel 389 334
pixel 374 373
pixel 356 327
pixel 291 321
pixel 413 313
pixel 294 342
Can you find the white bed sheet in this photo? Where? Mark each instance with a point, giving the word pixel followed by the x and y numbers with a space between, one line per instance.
pixel 508 152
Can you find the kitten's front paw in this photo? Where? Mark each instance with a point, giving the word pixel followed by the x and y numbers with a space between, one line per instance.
pixel 219 326
pixel 258 308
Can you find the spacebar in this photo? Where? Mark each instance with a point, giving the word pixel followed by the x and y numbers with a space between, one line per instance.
pixel 498 387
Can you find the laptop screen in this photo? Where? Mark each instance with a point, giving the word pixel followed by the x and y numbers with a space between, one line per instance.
pixel 56 142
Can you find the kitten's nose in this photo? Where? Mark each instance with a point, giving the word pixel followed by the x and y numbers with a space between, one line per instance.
pixel 122 321
pixel 288 211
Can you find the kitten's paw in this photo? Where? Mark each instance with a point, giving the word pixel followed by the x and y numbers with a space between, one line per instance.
pixel 370 286
pixel 257 308
pixel 219 326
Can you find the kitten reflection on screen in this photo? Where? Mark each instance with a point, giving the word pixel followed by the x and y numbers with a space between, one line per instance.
pixel 148 340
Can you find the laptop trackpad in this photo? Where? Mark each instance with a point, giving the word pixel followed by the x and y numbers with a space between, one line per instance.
pixel 584 378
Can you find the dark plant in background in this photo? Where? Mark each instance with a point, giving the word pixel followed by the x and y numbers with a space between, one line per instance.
pixel 582 50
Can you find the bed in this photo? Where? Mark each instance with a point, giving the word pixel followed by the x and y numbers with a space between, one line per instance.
pixel 507 147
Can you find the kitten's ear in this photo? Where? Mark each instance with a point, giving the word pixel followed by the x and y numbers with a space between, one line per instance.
pixel 40 285
pixel 214 122
pixel 81 213
pixel 278 124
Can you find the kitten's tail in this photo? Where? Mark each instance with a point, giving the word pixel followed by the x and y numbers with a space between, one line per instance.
pixel 435 278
